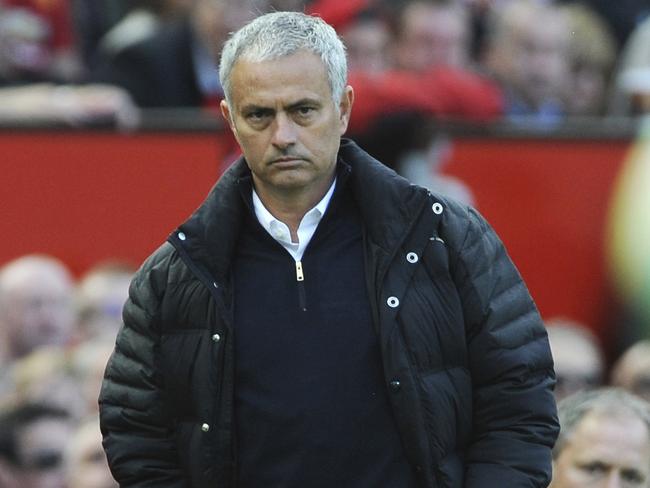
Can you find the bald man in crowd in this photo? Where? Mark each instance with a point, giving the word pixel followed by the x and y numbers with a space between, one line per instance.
pixel 36 307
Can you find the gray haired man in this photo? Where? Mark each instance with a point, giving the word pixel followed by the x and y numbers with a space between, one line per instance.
pixel 320 321
pixel 604 441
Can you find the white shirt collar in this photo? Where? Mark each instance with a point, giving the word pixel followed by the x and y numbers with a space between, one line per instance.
pixel 280 231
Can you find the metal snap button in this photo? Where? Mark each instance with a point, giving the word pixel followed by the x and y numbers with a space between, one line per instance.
pixel 181 236
pixel 412 258
pixel 216 337
pixel 393 302
pixel 205 427
pixel 437 208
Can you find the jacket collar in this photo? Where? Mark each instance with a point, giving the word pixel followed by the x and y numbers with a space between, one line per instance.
pixel 389 204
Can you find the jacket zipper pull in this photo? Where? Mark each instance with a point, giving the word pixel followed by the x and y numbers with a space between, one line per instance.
pixel 300 278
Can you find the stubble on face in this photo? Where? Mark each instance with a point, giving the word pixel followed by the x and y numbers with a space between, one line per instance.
pixel 287 124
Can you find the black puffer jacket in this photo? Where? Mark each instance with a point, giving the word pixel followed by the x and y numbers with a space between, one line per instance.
pixel 466 357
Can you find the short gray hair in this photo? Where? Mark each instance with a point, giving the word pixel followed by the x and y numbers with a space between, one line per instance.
pixel 279 34
pixel 609 401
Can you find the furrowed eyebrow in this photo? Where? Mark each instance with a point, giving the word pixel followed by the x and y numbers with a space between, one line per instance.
pixel 255 108
pixel 303 102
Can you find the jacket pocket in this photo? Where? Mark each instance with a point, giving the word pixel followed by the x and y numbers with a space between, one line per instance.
pixel 179 351
pixel 447 406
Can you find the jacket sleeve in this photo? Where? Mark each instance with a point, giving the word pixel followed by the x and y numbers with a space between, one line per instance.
pixel 136 428
pixel 515 418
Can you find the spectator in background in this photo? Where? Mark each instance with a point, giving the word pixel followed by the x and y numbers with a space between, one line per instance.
pixel 85 461
pixel 32 443
pixel 36 307
pixel 592 53
pixel 604 441
pixel 632 370
pixel 88 362
pixel 100 296
pixel 432 33
pixel 368 40
pixel 431 76
pixel 46 376
pixel 577 355
pixel 176 66
pixel 631 94
pixel 37 42
pixel 141 21
pixel 527 50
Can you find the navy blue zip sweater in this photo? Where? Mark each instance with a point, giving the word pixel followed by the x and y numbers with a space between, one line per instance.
pixel 311 405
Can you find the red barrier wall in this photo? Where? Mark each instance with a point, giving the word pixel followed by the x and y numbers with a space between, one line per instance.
pixel 85 197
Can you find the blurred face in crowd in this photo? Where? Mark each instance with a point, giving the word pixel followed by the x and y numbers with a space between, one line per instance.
pixel 100 298
pixel 605 451
pixel 577 359
pixel 632 370
pixel 214 20
pixel 40 450
pixel 432 35
pixel 287 124
pixel 367 43
pixel 531 55
pixel 35 304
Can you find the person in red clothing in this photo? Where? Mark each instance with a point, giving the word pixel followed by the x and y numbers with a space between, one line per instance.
pixel 428 68
pixel 420 70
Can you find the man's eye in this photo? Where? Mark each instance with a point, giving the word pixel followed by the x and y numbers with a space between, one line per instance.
pixel 305 110
pixel 633 477
pixel 594 468
pixel 257 115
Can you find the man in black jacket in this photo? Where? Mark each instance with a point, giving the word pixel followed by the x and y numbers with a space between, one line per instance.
pixel 320 321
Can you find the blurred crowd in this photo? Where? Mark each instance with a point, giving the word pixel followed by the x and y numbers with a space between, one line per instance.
pixel 532 61
pixel 98 61
pixel 56 335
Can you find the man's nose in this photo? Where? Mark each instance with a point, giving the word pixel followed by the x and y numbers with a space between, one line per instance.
pixel 613 480
pixel 284 133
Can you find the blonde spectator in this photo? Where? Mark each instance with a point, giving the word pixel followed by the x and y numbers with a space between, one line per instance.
pixel 592 53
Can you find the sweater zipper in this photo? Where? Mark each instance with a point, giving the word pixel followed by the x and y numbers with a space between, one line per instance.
pixel 300 280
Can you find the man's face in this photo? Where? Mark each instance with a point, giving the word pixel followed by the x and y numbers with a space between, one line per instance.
pixel 539 61
pixel 286 123
pixel 605 451
pixel 37 309
pixel 432 36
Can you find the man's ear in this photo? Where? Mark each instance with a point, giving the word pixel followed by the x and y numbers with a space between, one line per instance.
pixel 225 111
pixel 345 108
